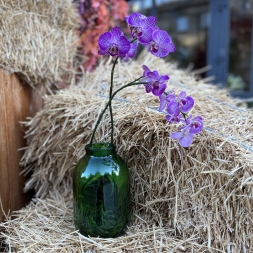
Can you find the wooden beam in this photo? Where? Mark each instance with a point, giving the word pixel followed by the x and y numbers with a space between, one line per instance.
pixel 17 102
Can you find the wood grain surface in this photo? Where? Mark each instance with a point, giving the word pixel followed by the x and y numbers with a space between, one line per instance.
pixel 17 102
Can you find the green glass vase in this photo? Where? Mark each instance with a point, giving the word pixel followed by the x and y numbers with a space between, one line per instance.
pixel 101 192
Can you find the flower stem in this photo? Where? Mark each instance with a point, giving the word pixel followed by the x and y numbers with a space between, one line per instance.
pixel 107 105
pixel 184 114
pixel 110 99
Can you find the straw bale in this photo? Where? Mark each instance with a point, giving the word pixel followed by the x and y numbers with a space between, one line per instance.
pixel 200 198
pixel 38 40
pixel 47 226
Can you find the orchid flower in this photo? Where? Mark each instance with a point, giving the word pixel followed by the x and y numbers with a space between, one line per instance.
pixel 144 30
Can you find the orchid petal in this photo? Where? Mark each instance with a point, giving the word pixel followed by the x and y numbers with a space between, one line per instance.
pixel 186 140
pixel 102 52
pixel 162 102
pixel 176 135
pixel 158 90
pixel 146 70
pixel 173 108
pixel 162 52
pixel 170 47
pixel 156 72
pixel 152 75
pixel 196 126
pixel 123 44
pixel 146 36
pixel 149 22
pixel 164 78
pixel 148 87
pixel 170 97
pixel 182 95
pixel 161 37
pixel 116 31
pixel 133 47
pixel 136 19
pixel 189 103
pixel 199 118
pixel 104 40
pixel 125 58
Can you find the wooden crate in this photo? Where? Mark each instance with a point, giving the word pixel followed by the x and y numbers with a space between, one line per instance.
pixel 17 101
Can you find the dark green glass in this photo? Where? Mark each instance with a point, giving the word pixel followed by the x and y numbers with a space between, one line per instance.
pixel 101 192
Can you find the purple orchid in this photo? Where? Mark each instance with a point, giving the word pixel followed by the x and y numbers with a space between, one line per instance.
pixel 174 118
pixel 161 44
pixel 195 125
pixel 113 43
pixel 185 138
pixel 155 82
pixel 141 27
pixel 132 51
pixel 192 127
pixel 146 70
pixel 182 104
pixel 186 102
pixel 173 108
pixel 165 99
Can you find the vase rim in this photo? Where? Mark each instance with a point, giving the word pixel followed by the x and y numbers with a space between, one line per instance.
pixel 100 146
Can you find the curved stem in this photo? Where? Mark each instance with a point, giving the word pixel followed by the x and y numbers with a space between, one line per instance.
pixel 110 99
pixel 127 85
pixel 107 105
pixel 133 40
pixel 184 115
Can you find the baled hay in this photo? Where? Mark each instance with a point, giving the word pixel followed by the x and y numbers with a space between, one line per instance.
pixel 38 40
pixel 201 195
pixel 50 229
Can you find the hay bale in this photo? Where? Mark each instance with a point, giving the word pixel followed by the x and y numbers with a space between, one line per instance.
pixel 51 229
pixel 38 40
pixel 200 197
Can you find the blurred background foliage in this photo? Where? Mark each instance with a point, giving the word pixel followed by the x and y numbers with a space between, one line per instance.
pixel 97 17
pixel 189 23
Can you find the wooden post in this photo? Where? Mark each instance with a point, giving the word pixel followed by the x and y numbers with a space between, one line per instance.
pixel 17 102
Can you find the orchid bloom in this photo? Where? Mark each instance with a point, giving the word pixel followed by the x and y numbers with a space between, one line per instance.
pixel 141 27
pixel 144 31
pixel 113 43
pixel 181 104
pixel 161 44
pixel 155 82
pixel 192 127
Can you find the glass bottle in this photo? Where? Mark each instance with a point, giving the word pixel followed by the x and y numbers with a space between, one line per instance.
pixel 101 192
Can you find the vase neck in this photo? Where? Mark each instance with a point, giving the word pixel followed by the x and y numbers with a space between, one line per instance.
pixel 100 149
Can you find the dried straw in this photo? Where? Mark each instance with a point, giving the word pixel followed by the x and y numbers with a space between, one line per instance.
pixel 38 40
pixel 47 226
pixel 183 200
